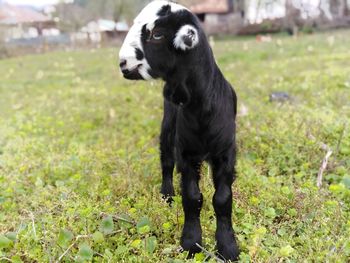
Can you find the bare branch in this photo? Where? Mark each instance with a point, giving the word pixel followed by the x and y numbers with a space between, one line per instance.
pixel 32 217
pixel 323 168
pixel 4 258
pixel 209 254
pixel 118 218
pixel 33 224
pixel 72 245
pixel 325 160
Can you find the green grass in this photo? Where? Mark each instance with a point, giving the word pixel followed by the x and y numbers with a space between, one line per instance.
pixel 79 165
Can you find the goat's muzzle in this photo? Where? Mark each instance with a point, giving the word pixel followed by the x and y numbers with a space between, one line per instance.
pixel 132 74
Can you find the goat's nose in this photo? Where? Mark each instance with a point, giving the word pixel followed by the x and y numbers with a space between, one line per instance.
pixel 125 71
pixel 122 63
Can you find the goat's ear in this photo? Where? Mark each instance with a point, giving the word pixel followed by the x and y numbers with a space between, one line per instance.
pixel 186 38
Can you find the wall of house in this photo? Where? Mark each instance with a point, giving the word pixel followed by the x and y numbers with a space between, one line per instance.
pixel 223 23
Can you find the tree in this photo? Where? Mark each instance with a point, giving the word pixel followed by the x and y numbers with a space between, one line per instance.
pixel 71 16
pixel 112 9
pixel 338 8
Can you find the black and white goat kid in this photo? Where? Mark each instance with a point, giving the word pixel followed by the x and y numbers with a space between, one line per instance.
pixel 167 42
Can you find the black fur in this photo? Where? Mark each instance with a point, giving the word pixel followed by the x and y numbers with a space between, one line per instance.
pixel 198 126
pixel 139 54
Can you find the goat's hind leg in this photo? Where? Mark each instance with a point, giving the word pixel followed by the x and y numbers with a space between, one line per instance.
pixel 167 149
pixel 223 177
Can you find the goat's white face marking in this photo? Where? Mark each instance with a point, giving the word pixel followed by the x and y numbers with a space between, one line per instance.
pixel 186 38
pixel 147 17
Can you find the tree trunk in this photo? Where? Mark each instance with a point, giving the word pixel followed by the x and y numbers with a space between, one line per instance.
pixel 345 8
pixel 290 18
pixel 338 8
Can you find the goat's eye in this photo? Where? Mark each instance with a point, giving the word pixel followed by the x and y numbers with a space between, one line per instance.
pixel 157 36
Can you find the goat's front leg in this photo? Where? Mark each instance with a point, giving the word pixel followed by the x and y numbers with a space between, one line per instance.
pixel 167 150
pixel 192 200
pixel 223 176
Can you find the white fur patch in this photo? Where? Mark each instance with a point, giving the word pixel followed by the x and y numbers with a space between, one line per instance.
pixel 127 52
pixel 147 17
pixel 186 38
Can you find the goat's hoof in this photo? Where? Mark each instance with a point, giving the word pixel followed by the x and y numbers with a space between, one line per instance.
pixel 227 246
pixel 228 252
pixel 167 194
pixel 167 191
pixel 191 249
pixel 191 236
pixel 168 198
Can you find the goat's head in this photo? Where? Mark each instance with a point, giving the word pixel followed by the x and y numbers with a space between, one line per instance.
pixel 161 33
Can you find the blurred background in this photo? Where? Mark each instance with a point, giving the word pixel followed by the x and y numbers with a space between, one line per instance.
pixel 42 25
pixel 79 160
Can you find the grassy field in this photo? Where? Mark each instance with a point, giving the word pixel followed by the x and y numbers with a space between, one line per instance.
pixel 79 165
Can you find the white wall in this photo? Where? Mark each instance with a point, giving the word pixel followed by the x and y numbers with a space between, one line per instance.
pixel 276 8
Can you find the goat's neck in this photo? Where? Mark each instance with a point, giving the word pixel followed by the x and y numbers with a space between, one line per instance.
pixel 194 84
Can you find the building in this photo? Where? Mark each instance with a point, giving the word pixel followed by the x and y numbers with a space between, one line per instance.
pixel 220 16
pixel 22 22
pixel 102 30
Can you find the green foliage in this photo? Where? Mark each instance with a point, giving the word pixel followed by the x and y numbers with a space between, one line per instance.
pixel 85 253
pixel 98 237
pixel 5 242
pixel 107 225
pixel 79 164
pixel 64 238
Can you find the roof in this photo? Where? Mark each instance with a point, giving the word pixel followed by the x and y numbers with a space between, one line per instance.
pixel 212 7
pixel 12 15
